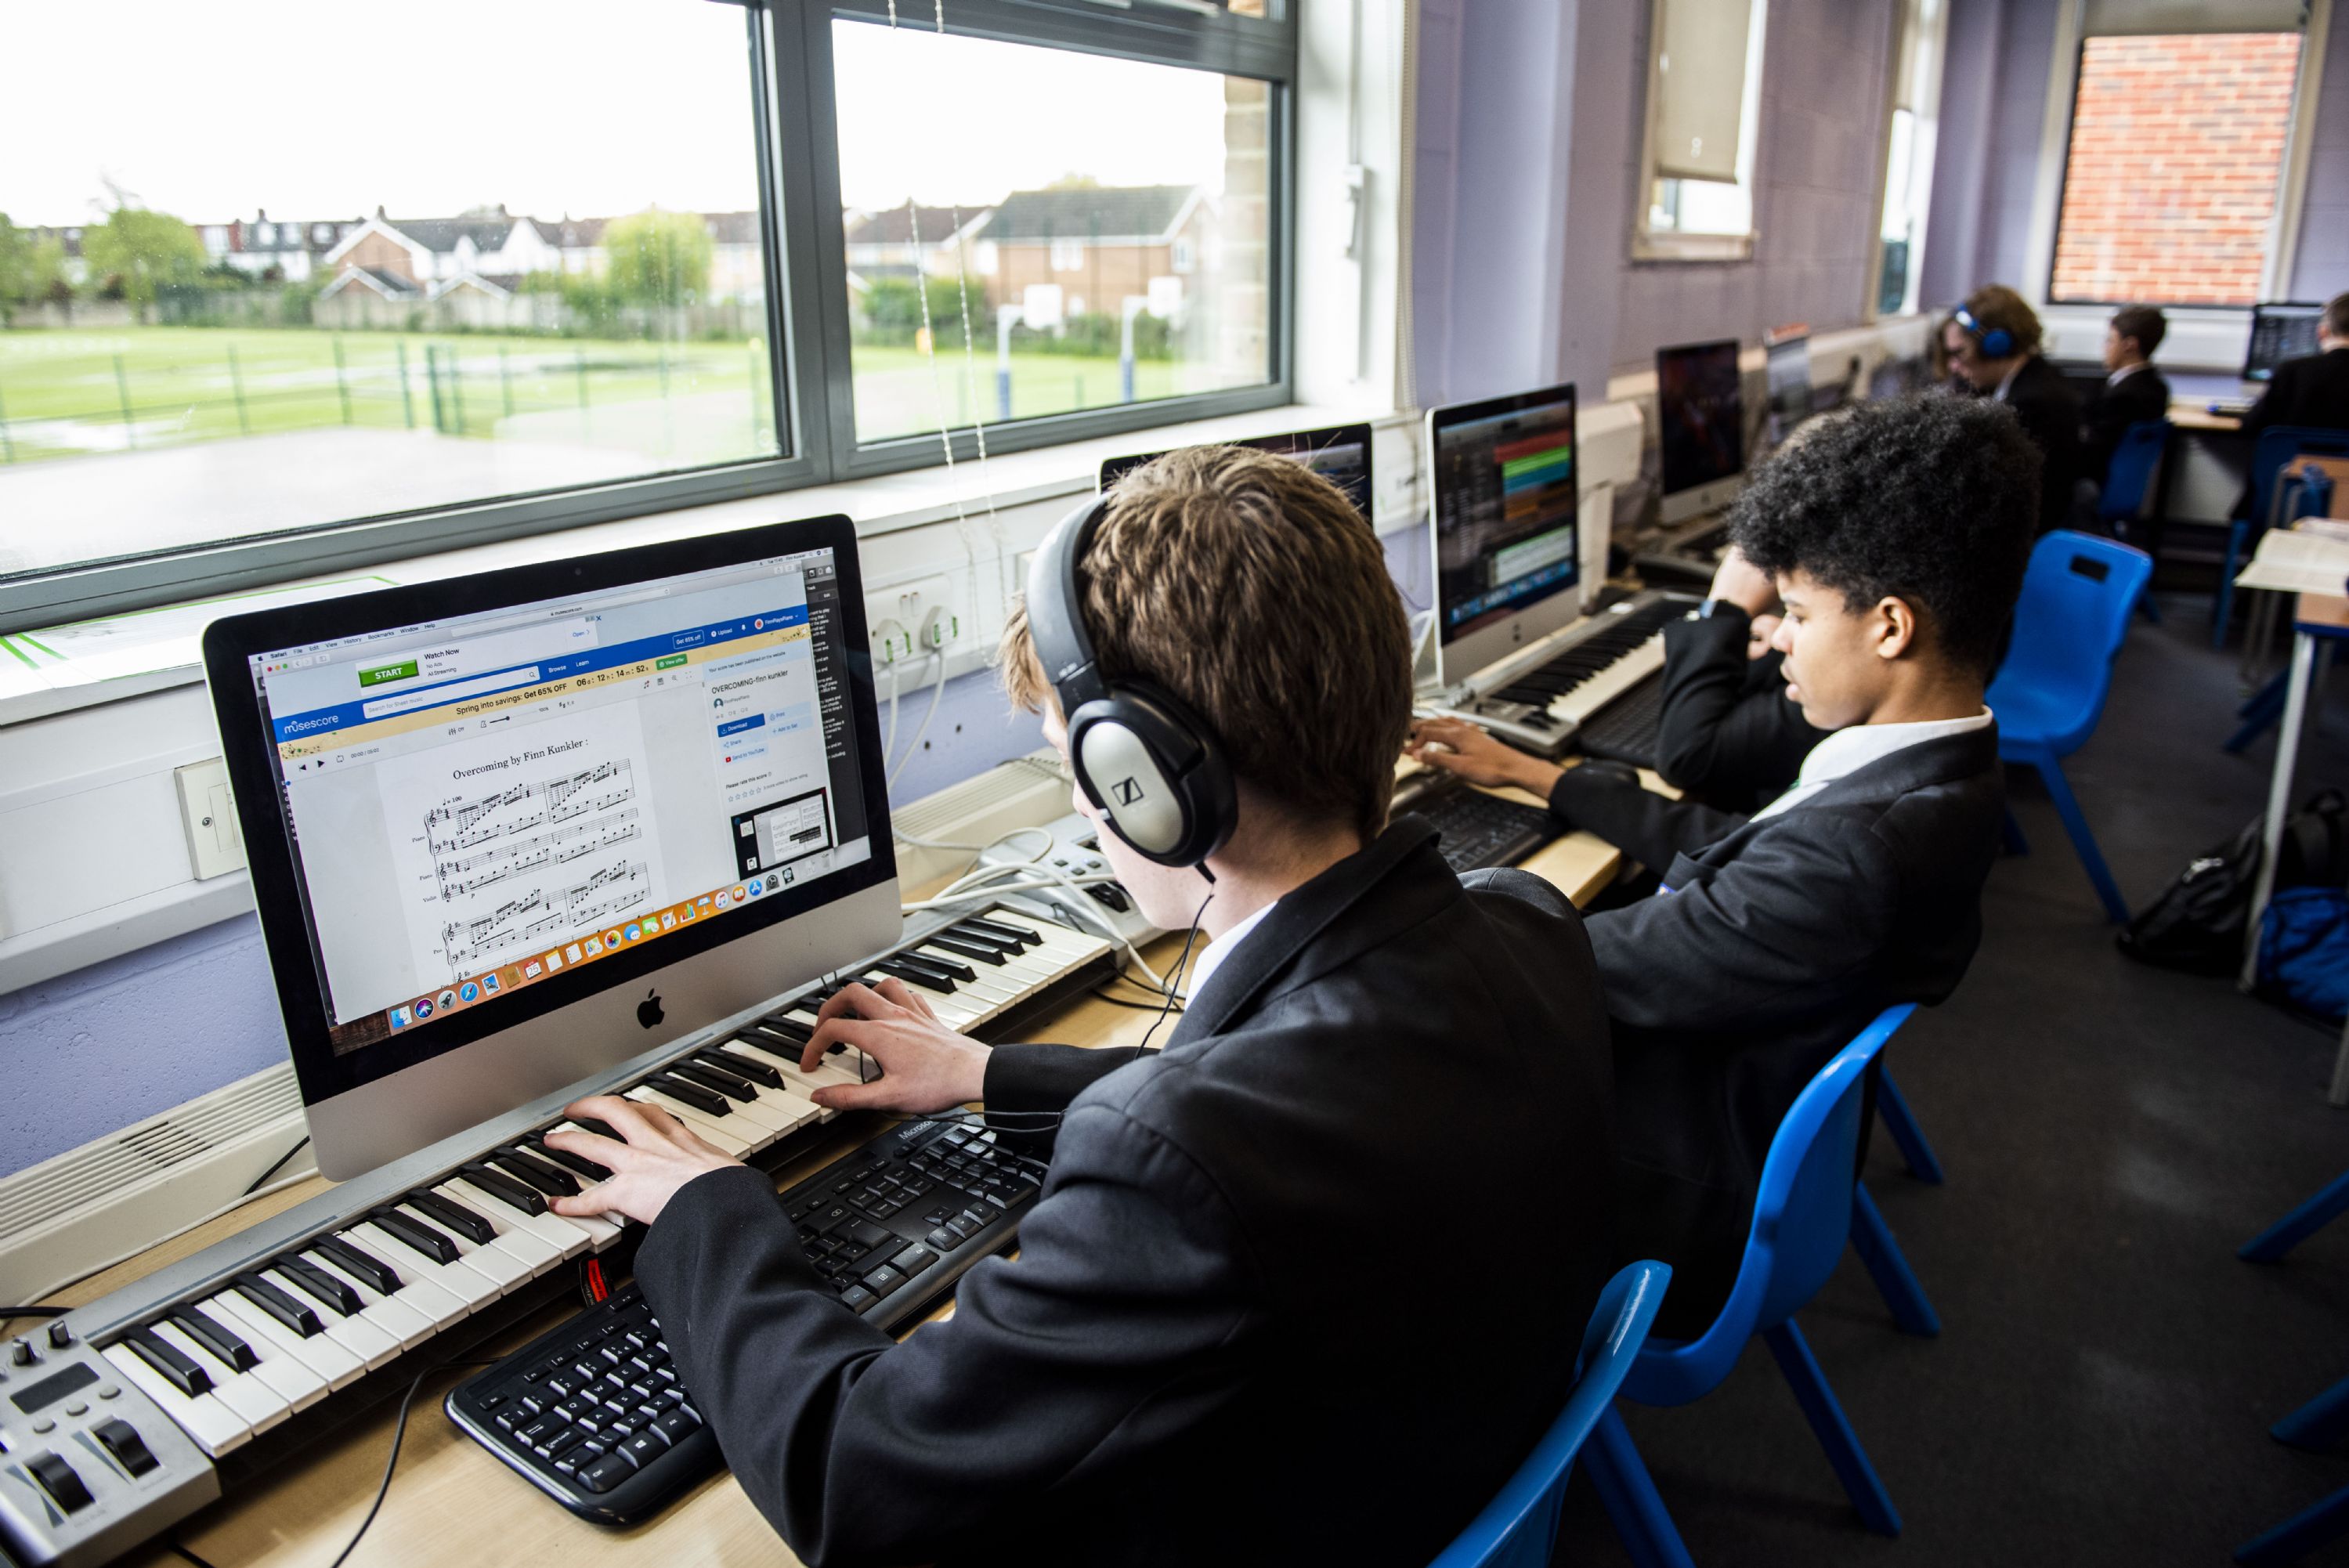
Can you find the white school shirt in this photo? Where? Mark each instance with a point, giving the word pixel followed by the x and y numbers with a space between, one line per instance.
pixel 1848 750
pixel 1212 956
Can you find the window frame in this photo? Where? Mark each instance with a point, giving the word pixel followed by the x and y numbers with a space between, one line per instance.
pixel 1652 244
pixel 795 123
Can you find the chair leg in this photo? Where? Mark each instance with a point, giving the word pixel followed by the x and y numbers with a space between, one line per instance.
pixel 2091 861
pixel 1834 1432
pixel 2011 831
pixel 1629 1495
pixel 2301 1535
pixel 2147 607
pixel 1907 1136
pixel 2319 1423
pixel 1888 1267
pixel 2260 709
pixel 2222 604
pixel 2271 1244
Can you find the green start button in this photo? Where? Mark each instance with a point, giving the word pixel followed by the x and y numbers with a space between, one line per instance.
pixel 375 675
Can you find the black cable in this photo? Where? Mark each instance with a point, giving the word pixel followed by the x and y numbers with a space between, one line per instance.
pixel 191 1556
pixel 1175 979
pixel 1122 1002
pixel 8 1312
pixel 273 1170
pixel 391 1461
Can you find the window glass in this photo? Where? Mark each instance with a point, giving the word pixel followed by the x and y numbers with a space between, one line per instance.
pixel 1695 189
pixel 1013 247
pixel 439 284
pixel 2175 159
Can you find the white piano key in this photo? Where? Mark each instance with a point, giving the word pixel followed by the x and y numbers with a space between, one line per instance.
pixel 711 1128
pixel 300 1384
pixel 260 1406
pixel 777 1120
pixel 550 1235
pixel 801 1084
pixel 363 1339
pixel 338 1366
pixel 211 1425
pixel 400 1319
pixel 503 1266
pixel 469 1287
pixel 1016 974
pixel 606 1227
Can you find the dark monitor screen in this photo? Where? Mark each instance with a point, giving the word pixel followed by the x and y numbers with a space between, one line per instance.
pixel 1789 377
pixel 1505 497
pixel 2280 332
pixel 1700 414
pixel 1339 453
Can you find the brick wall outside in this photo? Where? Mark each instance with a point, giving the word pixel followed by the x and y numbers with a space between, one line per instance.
pixel 2177 151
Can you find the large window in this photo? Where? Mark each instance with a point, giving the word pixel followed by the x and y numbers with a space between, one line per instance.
pixel 1704 110
pixel 2175 167
pixel 507 268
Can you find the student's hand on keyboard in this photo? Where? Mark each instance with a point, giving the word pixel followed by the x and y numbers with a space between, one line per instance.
pixel 1458 746
pixel 925 1066
pixel 661 1155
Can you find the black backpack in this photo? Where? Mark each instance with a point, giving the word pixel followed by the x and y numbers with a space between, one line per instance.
pixel 2197 925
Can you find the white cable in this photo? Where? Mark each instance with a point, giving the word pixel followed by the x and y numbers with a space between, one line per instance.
pixel 937 695
pixel 889 738
pixel 980 884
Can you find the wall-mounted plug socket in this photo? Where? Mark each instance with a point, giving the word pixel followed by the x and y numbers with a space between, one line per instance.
pixel 939 629
pixel 892 643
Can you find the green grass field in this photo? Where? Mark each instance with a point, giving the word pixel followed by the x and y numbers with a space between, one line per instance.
pixel 70 393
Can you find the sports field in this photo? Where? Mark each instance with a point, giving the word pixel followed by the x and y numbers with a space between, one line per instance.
pixel 65 393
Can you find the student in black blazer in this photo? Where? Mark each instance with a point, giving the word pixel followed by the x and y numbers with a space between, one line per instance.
pixel 2313 391
pixel 1897 536
pixel 1247 1322
pixel 2134 392
pixel 1993 341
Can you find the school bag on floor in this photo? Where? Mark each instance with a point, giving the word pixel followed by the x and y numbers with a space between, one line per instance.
pixel 2197 923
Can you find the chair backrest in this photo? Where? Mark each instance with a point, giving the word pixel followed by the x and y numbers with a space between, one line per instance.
pixel 1519 1526
pixel 2277 446
pixel 2069 624
pixel 1802 1221
pixel 2130 481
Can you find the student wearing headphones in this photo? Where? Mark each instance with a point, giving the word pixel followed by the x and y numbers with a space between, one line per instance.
pixel 1234 1333
pixel 1992 342
pixel 1897 537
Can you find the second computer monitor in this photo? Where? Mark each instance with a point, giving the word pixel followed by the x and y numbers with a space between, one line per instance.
pixel 1339 453
pixel 1504 491
pixel 2280 332
pixel 1702 427
pixel 1789 378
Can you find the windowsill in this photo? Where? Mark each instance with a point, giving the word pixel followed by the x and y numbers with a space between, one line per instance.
pixel 883 504
pixel 1671 247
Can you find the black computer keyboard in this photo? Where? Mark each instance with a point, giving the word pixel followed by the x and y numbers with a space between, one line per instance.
pixel 593 1413
pixel 1479 830
pixel 1625 729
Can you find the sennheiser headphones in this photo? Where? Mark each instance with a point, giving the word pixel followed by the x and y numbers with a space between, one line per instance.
pixel 1996 342
pixel 1154 770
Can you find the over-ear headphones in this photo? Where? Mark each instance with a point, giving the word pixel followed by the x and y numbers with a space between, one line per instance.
pixel 1996 342
pixel 1140 754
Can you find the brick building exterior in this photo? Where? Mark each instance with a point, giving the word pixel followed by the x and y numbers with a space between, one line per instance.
pixel 2176 160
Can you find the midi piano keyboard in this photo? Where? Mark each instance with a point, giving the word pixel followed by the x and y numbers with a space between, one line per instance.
pixel 135 1411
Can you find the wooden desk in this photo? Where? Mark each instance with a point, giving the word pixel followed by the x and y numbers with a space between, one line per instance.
pixel 451 1503
pixel 2198 416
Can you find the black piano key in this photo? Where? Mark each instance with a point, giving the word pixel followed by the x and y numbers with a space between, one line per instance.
pixel 921 972
pixel 790 1031
pixel 214 1336
pixel 741 1067
pixel 531 1171
pixel 985 927
pixel 411 1231
pixel 568 1161
pixel 504 1188
pixel 173 1365
pixel 716 1078
pixel 707 1102
pixel 969 947
pixel 600 1128
pixel 293 1314
pixel 360 1265
pixel 946 966
pixel 448 1211
pixel 314 1281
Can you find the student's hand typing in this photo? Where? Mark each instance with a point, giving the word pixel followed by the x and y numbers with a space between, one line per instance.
pixel 1744 585
pixel 1458 746
pixel 925 1065
pixel 660 1155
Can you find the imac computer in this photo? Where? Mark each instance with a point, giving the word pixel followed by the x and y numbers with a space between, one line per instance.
pixel 1700 415
pixel 1789 378
pixel 1339 453
pixel 1505 490
pixel 2280 332
pixel 510 830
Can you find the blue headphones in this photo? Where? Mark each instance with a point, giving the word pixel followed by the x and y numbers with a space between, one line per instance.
pixel 1146 759
pixel 1995 342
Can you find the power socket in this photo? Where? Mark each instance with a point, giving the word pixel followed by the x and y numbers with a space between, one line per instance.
pixel 939 629
pixel 891 642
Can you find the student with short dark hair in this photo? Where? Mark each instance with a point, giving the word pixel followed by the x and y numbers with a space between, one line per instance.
pixel 2134 392
pixel 1993 341
pixel 1233 1333
pixel 1897 538
pixel 2313 390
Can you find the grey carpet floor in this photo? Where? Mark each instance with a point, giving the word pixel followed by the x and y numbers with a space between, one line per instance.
pixel 2107 1368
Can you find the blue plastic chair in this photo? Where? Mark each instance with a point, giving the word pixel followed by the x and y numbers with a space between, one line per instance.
pixel 2271 1244
pixel 2068 628
pixel 1800 1217
pixel 2131 481
pixel 2276 447
pixel 1519 1526
pixel 2318 1424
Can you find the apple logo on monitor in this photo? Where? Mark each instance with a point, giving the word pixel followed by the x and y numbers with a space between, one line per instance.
pixel 648 1011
